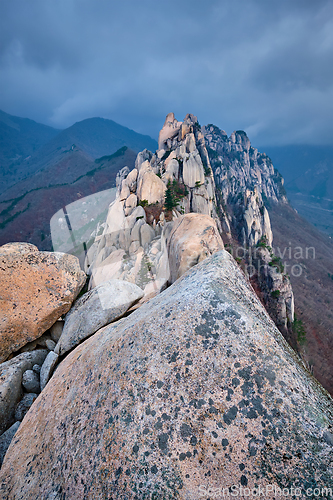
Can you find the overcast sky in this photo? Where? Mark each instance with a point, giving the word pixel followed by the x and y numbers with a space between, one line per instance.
pixel 264 66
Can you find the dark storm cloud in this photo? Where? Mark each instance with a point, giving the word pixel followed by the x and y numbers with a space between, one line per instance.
pixel 263 66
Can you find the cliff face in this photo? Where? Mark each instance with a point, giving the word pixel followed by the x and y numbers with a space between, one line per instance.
pixel 246 182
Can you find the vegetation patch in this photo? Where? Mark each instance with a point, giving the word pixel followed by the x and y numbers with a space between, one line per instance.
pixel 174 193
pixel 299 331
pixel 277 263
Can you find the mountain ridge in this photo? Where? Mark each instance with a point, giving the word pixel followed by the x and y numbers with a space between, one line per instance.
pixel 96 137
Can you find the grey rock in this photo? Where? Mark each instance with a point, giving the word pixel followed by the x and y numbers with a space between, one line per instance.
pixel 56 330
pixel 196 387
pixel 50 344
pixel 121 175
pixel 30 381
pixel 131 180
pixel 147 234
pixel 36 368
pixel 95 309
pixel 10 383
pixel 24 405
pixel 47 368
pixel 5 440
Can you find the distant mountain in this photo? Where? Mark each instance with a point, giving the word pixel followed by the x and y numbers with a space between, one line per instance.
pixel 19 139
pixel 25 215
pixel 308 174
pixel 99 137
pixel 27 147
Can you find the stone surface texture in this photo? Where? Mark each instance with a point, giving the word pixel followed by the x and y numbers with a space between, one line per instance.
pixel 98 307
pixel 36 288
pixel 24 405
pixel 192 238
pixel 196 389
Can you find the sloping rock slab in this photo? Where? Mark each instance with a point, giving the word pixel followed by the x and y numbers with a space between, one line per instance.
pixel 36 288
pixel 10 383
pixel 197 389
pixel 95 309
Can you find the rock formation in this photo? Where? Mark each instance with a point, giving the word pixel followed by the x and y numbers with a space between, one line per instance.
pixel 194 171
pixel 195 390
pixel 50 282
pixel 175 181
pixel 246 183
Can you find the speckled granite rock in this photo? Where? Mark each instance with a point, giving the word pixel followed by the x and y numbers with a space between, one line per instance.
pixel 196 389
pixel 36 288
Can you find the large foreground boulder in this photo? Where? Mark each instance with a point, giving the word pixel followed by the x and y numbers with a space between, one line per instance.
pixel 36 288
pixel 195 390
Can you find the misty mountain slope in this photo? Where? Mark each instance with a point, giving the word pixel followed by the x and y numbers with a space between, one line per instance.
pixel 95 137
pixel 308 258
pixel 26 217
pixel 99 137
pixel 19 138
pixel 308 174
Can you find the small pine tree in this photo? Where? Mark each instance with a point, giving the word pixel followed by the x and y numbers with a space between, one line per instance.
pixel 169 201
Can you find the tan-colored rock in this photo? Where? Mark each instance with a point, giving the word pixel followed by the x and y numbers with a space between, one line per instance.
pixel 150 186
pixel 195 390
pixel 36 288
pixel 147 233
pixel 191 239
pixel 110 268
pixel 170 129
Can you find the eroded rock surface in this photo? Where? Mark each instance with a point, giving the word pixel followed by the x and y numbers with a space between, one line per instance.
pixel 196 389
pixel 36 288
